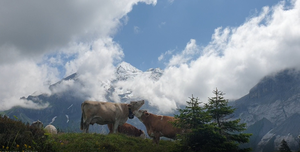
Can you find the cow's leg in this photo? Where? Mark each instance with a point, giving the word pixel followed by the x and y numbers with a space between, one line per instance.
pixel 86 126
pixel 110 128
pixel 115 127
pixel 156 138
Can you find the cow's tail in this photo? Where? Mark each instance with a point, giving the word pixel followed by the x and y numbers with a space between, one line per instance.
pixel 82 115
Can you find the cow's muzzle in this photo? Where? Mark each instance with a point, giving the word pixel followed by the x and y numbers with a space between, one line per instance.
pixel 130 115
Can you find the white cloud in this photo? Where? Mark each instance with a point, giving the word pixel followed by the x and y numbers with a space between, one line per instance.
pixel 96 66
pixel 32 28
pixel 38 38
pixel 23 78
pixel 237 58
pixel 186 55
pixel 171 1
pixel 136 30
pixel 162 24
pixel 234 61
pixel 161 57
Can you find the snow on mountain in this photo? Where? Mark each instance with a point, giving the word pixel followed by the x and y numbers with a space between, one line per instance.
pixel 126 71
pixel 154 74
pixel 53 119
pixel 67 118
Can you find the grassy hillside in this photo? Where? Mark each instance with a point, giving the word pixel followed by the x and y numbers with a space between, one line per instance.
pixel 111 142
pixel 71 142
pixel 18 136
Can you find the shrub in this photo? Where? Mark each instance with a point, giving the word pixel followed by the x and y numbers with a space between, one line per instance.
pixel 15 135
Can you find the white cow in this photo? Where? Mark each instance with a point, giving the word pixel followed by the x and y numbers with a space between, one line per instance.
pixel 107 113
pixel 51 129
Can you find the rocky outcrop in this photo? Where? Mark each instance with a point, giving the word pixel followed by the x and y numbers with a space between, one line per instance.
pixel 276 100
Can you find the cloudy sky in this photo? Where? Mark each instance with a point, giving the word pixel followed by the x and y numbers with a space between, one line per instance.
pixel 200 45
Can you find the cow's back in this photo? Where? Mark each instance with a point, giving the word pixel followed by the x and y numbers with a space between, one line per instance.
pixel 129 130
pixel 104 112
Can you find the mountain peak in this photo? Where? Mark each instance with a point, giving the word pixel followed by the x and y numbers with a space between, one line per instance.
pixel 125 70
pixel 126 67
pixel 281 84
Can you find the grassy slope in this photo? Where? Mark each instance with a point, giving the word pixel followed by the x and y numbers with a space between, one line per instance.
pixel 111 142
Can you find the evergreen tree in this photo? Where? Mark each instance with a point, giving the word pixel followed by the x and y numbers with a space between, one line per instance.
pixel 284 147
pixel 209 128
pixel 192 116
pixel 220 112
pixel 200 135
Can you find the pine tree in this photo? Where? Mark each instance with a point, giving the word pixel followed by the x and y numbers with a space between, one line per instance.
pixel 231 129
pixel 201 135
pixel 210 127
pixel 284 147
pixel 192 116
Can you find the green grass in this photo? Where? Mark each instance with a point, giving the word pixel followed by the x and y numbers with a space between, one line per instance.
pixel 110 143
pixel 18 136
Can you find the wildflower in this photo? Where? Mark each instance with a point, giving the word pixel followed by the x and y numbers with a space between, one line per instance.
pixel 61 143
pixel 18 146
pixel 7 148
pixel 2 147
pixel 29 146
pixel 25 145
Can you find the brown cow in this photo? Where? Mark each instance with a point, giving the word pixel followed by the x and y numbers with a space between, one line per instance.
pixel 129 130
pixel 158 125
pixel 106 113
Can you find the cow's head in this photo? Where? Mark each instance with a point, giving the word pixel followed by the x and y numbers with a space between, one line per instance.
pixel 134 106
pixel 141 114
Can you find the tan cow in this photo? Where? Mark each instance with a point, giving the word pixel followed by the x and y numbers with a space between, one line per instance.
pixel 107 113
pixel 129 130
pixel 157 125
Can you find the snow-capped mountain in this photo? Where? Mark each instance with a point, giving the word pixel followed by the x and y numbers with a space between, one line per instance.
pixel 271 109
pixel 65 104
pixel 126 71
